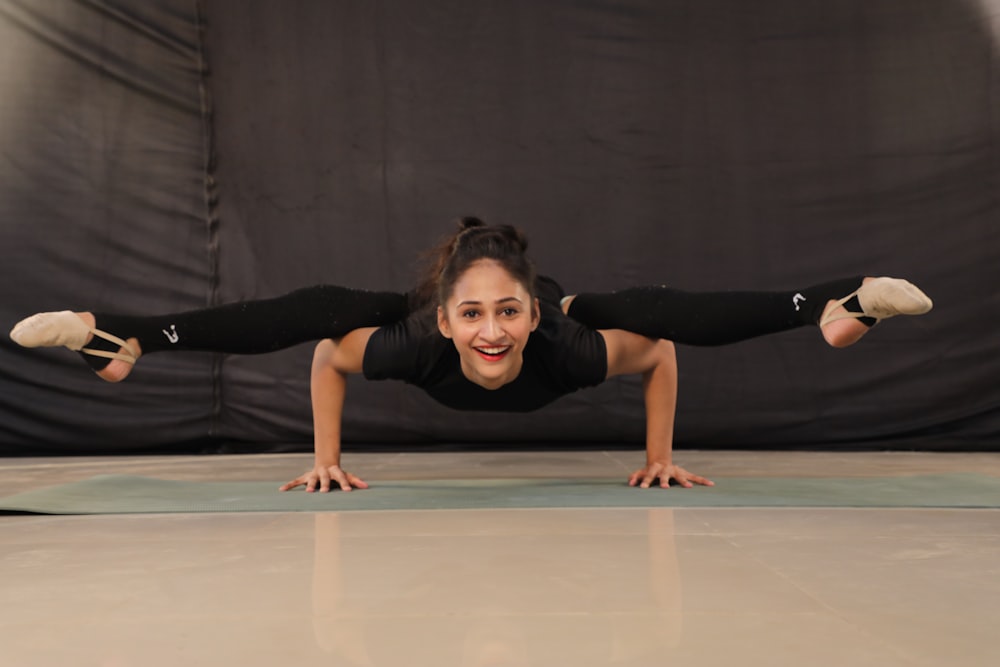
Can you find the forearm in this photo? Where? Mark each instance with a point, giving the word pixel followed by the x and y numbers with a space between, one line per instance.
pixel 660 396
pixel 333 361
pixel 328 387
pixel 656 360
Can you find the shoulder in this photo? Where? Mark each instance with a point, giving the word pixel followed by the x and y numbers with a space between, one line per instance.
pixel 405 350
pixel 570 351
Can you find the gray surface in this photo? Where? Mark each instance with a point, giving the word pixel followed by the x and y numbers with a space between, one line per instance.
pixel 128 494
pixel 25 474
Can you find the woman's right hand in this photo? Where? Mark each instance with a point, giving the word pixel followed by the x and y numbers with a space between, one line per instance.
pixel 320 478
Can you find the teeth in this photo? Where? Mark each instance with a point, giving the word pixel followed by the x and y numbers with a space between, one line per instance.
pixel 492 350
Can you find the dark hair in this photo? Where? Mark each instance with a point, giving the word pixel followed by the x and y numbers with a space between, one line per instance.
pixel 474 240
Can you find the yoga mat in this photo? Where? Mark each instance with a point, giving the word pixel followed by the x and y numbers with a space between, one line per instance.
pixel 126 494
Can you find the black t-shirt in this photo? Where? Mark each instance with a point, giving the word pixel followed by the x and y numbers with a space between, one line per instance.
pixel 561 356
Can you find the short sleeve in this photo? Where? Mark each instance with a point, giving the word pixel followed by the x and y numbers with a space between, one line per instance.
pixel 404 350
pixel 575 355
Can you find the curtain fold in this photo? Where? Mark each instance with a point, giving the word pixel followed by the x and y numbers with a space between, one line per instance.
pixel 162 156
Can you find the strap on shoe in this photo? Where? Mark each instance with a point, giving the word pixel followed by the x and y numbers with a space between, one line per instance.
pixel 847 314
pixel 129 356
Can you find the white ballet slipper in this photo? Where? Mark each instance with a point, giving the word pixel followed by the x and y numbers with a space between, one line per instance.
pixel 65 329
pixel 882 298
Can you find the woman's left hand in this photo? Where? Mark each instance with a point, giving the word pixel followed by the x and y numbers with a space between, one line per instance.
pixel 645 477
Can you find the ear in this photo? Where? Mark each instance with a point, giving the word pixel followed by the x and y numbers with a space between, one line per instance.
pixel 536 314
pixel 443 325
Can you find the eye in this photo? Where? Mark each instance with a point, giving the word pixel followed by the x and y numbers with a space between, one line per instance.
pixel 470 314
pixel 509 312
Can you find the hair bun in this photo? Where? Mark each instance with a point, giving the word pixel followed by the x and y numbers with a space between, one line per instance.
pixel 515 236
pixel 470 226
pixel 468 222
pixel 475 241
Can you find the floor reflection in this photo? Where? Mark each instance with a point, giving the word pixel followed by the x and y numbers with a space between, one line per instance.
pixel 486 599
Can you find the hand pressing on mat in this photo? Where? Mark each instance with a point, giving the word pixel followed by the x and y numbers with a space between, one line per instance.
pixel 322 477
pixel 664 472
pixel 333 360
pixel 656 360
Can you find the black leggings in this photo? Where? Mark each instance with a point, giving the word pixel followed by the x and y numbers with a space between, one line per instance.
pixel 327 311
pixel 256 327
pixel 707 318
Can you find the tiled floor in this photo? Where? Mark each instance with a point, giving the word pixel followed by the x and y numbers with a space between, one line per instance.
pixel 551 587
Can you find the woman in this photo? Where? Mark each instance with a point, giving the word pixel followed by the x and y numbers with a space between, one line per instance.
pixel 483 332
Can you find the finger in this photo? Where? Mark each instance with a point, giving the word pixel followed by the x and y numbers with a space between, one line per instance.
pixel 311 480
pixel 652 472
pixel 357 482
pixel 688 480
pixel 701 480
pixel 342 480
pixel 633 479
pixel 682 478
pixel 297 482
pixel 324 480
pixel 336 474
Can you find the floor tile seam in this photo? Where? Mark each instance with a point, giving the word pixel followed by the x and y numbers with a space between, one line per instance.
pixel 922 537
pixel 780 574
pixel 38 540
pixel 841 508
pixel 381 462
pixel 624 613
pixel 750 613
pixel 987 532
pixel 842 615
pixel 899 648
pixel 124 462
pixel 616 461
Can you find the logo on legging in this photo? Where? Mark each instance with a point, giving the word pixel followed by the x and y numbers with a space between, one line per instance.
pixel 173 337
pixel 795 301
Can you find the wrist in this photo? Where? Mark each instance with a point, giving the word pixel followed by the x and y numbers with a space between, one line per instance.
pixel 326 461
pixel 658 455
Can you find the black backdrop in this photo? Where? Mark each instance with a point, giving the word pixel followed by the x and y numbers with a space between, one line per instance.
pixel 158 156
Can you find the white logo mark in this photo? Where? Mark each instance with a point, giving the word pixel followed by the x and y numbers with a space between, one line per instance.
pixel 173 337
pixel 795 300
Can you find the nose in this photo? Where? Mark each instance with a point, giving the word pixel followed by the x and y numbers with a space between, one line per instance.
pixel 491 329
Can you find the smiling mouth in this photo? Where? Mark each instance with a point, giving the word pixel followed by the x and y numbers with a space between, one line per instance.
pixel 493 353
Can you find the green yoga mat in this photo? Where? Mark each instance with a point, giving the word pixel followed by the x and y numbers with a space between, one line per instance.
pixel 124 494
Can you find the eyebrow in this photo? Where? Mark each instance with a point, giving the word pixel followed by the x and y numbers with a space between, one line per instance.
pixel 470 302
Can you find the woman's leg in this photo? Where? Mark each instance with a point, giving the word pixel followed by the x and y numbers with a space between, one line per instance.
pixel 248 327
pixel 845 308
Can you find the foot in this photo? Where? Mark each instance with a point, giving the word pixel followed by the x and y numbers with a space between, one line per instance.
pixel 75 331
pixel 880 299
pixel 52 330
pixel 843 332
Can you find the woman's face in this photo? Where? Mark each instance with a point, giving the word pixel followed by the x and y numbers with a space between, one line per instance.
pixel 489 316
